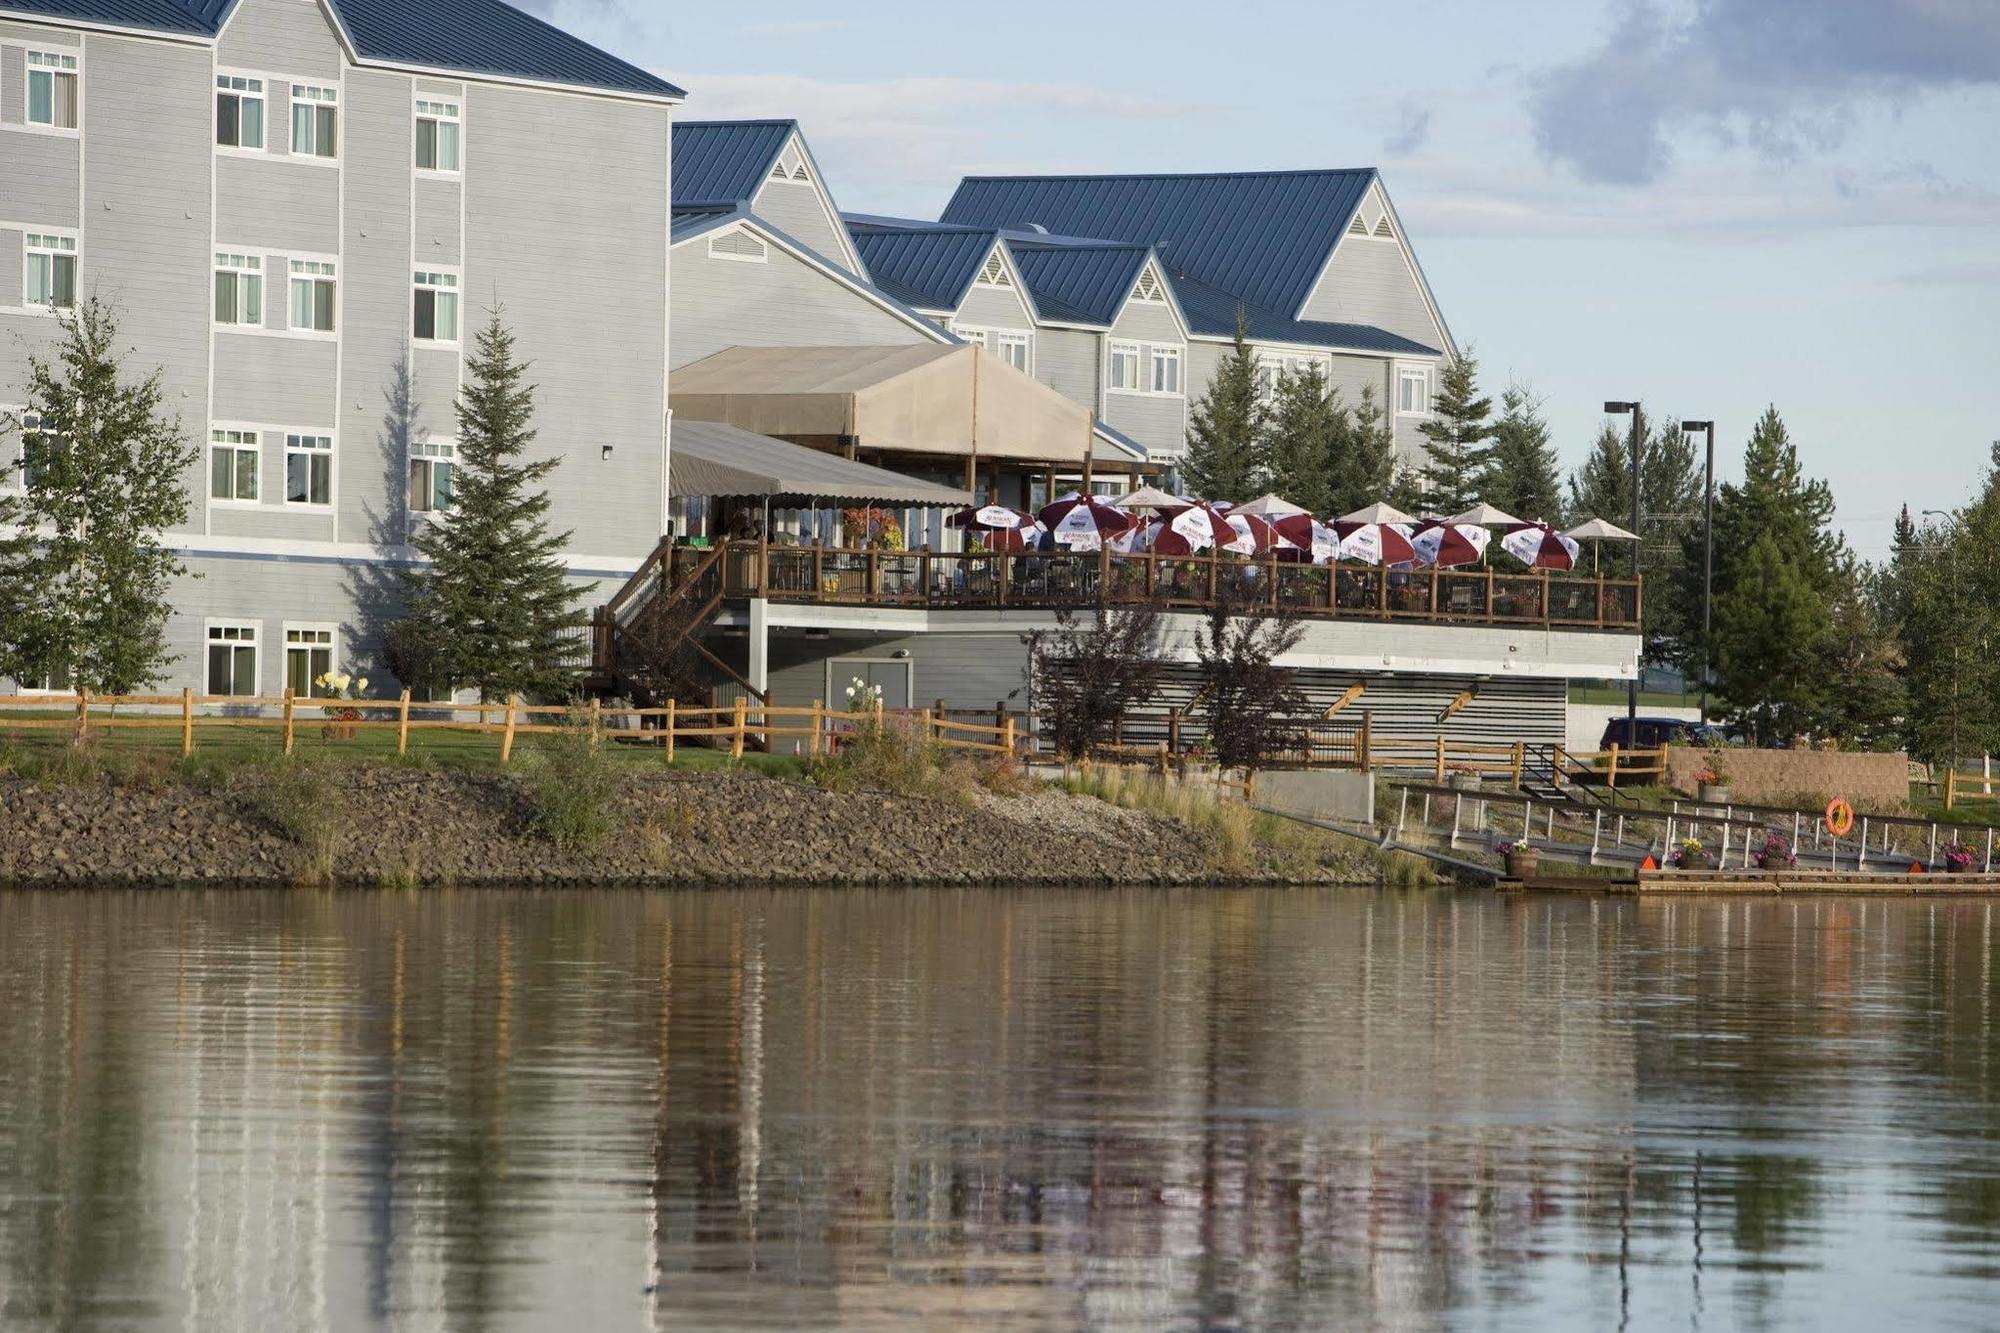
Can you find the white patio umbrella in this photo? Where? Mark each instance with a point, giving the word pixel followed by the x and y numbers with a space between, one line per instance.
pixel 1269 506
pixel 1595 531
pixel 1448 545
pixel 1152 498
pixel 1483 515
pixel 1378 513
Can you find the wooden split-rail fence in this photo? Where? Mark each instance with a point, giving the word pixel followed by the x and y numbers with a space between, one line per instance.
pixel 732 727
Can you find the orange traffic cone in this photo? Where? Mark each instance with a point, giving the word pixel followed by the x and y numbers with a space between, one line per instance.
pixel 1649 863
pixel 1916 869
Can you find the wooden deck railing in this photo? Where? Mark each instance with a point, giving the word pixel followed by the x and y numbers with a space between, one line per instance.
pixel 962 580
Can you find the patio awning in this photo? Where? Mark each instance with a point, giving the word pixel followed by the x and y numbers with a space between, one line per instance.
pixel 709 458
pixel 936 399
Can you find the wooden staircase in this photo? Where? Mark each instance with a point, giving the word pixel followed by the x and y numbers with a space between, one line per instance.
pixel 647 641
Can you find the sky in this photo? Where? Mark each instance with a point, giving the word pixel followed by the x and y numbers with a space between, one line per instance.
pixel 1710 206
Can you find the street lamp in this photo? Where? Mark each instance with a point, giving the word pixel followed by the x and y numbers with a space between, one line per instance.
pixel 1632 690
pixel 1951 554
pixel 1707 552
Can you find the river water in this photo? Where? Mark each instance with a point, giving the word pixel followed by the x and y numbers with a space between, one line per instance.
pixel 1139 1110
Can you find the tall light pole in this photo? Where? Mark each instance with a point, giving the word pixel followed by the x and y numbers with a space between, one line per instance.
pixel 1638 454
pixel 1707 553
pixel 1951 555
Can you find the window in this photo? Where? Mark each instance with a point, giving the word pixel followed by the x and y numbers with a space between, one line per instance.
pixel 1272 366
pixel 1413 391
pixel 239 289
pixel 437 307
pixel 312 295
pixel 437 136
pixel 1013 348
pixel 52 90
pixel 308 469
pixel 313 120
pixel 51 277
pixel 40 449
pixel 431 466
pixel 232 465
pixel 1166 370
pixel 308 656
pixel 239 111
pixel 1122 367
pixel 232 658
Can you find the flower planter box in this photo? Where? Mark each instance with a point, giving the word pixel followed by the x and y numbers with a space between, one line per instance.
pixel 1462 781
pixel 1522 863
pixel 1774 863
pixel 1694 861
pixel 1715 793
pixel 338 731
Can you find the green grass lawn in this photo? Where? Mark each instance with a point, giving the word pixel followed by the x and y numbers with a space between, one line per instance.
pixel 29 750
pixel 1615 694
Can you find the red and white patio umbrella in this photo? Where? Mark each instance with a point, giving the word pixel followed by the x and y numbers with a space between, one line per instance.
pixel 1196 528
pixel 1374 543
pixel 990 518
pixel 1014 540
pixel 1255 534
pixel 1306 537
pixel 1084 522
pixel 1448 545
pixel 1539 546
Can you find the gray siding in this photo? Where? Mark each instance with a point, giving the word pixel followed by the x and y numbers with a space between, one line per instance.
pixel 436 201
pixel 798 209
pixel 41 175
pixel 13 258
pixel 965 670
pixel 435 377
pixel 150 126
pixel 994 308
pixel 721 303
pixel 1351 374
pixel 1066 361
pixel 276 204
pixel 286 37
pixel 375 308
pixel 1157 421
pixel 274 379
pixel 38 36
pixel 13 74
pixel 586 179
pixel 1369 282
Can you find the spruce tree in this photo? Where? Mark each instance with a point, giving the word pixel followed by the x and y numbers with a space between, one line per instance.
pixel 1457 438
pixel 1774 640
pixel 1363 465
pixel 84 572
pixel 493 601
pixel 1303 431
pixel 1521 474
pixel 1944 589
pixel 1226 429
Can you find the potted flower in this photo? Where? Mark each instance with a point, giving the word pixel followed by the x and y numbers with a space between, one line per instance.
pixel 340 721
pixel 1958 859
pixel 1462 777
pixel 1777 854
pixel 1691 856
pixel 1523 857
pixel 1712 784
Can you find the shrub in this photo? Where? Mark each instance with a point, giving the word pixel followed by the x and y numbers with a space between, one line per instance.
pixel 891 758
pixel 570 783
pixel 300 798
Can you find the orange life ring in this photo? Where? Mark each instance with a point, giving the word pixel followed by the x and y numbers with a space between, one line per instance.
pixel 1839 817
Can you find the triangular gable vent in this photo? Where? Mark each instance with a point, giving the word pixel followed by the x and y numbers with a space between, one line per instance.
pixel 799 173
pixel 1383 230
pixel 1358 227
pixel 778 172
pixel 1149 288
pixel 995 272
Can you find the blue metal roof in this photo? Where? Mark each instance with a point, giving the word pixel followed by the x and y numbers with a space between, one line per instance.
pixel 1264 236
pixel 472 36
pixel 725 162
pixel 925 265
pixel 1210 310
pixel 1077 282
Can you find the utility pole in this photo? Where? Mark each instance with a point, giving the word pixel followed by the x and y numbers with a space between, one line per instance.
pixel 1638 473
pixel 1951 558
pixel 1707 555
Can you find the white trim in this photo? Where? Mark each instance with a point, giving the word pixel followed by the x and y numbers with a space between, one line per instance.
pixel 1156 353
pixel 1115 351
pixel 332 455
pixel 305 93
pixel 209 625
pixel 1402 238
pixel 251 440
pixel 763 255
pixel 73 251
pixel 74 69
pixel 262 96
pixel 455 289
pixel 455 117
pixel 438 450
pixel 195 544
pixel 1412 369
pixel 242 262
pixel 993 338
pixel 909 665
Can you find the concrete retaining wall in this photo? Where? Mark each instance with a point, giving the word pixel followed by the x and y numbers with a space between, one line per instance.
pixel 1318 793
pixel 1869 782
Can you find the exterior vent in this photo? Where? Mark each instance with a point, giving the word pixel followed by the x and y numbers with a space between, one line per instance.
pixel 995 272
pixel 1149 288
pixel 778 172
pixel 1358 227
pixel 740 246
pixel 1383 230
pixel 799 173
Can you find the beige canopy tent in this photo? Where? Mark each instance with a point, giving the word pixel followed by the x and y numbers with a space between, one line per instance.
pixel 713 459
pixel 935 400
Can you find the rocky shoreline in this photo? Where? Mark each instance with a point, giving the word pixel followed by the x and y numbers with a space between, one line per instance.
pixel 433 828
